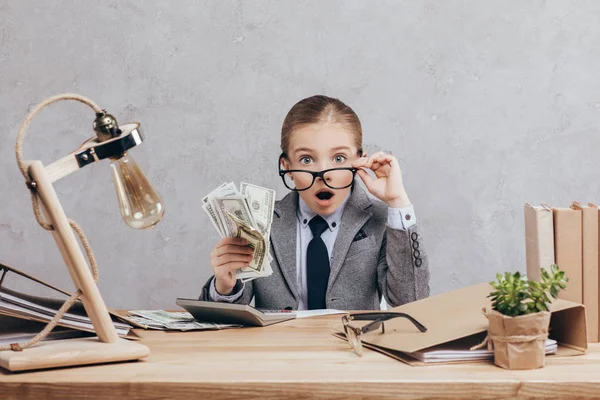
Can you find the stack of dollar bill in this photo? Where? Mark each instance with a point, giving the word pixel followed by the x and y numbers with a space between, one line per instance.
pixel 171 321
pixel 245 214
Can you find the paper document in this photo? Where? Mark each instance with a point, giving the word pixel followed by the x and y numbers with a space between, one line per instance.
pixel 20 337
pixel 12 304
pixel 459 354
pixel 316 313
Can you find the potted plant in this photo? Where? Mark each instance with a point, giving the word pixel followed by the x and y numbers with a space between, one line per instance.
pixel 520 317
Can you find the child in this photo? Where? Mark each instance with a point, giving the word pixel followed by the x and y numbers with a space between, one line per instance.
pixel 332 245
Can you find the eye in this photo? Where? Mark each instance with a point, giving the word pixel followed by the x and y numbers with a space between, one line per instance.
pixel 305 160
pixel 339 158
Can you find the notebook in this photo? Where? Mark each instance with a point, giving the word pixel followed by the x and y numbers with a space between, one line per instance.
pixel 229 313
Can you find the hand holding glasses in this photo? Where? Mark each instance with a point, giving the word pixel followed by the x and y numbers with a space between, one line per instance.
pixel 353 333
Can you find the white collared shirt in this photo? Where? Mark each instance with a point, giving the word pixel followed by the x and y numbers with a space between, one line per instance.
pixel 398 218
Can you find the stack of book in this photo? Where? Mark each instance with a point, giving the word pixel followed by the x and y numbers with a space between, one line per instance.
pixel 568 237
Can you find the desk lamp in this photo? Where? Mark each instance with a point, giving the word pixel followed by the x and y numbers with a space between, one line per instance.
pixel 141 207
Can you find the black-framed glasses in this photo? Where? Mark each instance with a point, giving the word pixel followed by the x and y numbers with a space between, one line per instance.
pixel 334 178
pixel 353 333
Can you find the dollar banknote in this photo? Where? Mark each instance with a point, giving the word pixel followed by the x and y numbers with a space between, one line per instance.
pixel 163 317
pixel 238 206
pixel 208 204
pixel 262 204
pixel 172 321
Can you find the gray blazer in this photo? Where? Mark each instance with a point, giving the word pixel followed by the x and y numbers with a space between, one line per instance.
pixel 370 259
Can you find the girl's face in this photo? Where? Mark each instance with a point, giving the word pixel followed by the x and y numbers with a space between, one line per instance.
pixel 316 148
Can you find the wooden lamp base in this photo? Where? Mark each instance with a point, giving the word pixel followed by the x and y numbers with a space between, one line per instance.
pixel 72 352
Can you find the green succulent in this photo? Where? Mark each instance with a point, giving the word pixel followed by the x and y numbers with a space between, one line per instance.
pixel 514 295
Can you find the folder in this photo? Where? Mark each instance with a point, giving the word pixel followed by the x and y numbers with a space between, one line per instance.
pixel 539 239
pixel 568 252
pixel 23 312
pixel 456 317
pixel 591 276
pixel 589 242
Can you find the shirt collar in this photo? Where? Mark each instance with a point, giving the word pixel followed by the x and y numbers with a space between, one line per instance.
pixel 305 214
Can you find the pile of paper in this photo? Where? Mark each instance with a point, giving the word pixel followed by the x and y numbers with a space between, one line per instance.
pixel 12 304
pixel 247 214
pixel 21 335
pixel 178 321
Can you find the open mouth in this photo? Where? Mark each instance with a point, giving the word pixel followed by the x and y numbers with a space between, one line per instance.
pixel 324 194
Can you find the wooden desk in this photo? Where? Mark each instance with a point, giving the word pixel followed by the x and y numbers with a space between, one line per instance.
pixel 297 359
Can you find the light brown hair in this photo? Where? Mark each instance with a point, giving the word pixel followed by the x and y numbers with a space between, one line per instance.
pixel 320 109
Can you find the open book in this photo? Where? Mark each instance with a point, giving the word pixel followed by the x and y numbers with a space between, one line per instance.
pixel 228 313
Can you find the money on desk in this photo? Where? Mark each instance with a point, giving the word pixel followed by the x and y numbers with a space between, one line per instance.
pixel 245 214
pixel 172 321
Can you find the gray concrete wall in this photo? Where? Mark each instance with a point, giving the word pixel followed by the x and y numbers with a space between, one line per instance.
pixel 487 105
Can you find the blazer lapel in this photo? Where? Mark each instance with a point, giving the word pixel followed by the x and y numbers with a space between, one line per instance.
pixel 283 238
pixel 356 214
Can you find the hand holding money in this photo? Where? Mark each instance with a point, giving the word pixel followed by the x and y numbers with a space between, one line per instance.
pixel 229 255
pixel 247 217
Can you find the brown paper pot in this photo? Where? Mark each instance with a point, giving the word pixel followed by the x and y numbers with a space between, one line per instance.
pixel 518 342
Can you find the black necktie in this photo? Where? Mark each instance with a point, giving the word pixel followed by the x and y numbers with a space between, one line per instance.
pixel 317 265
